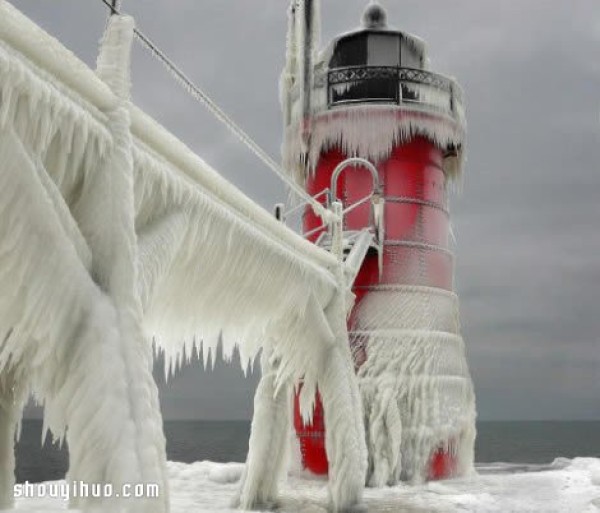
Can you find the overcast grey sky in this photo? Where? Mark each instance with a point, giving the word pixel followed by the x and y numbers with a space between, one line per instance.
pixel 527 220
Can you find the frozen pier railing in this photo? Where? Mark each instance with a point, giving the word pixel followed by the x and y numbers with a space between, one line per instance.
pixel 113 234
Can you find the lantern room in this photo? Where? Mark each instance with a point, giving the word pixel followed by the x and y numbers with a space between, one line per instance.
pixel 364 65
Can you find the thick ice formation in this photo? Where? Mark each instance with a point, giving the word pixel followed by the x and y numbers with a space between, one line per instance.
pixel 416 387
pixel 69 284
pixel 114 235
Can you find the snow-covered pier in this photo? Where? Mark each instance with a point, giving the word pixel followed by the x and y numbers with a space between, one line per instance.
pixel 116 240
pixel 113 236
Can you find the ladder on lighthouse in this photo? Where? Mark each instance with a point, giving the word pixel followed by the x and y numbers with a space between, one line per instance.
pixel 355 244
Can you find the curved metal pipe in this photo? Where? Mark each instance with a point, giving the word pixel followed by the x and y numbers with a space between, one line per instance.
pixel 377 201
pixel 354 161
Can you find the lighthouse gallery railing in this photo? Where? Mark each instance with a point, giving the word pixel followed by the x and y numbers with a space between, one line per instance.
pixel 392 84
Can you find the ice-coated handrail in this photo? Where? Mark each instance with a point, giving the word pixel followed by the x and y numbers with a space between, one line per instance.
pixel 199 95
pixel 45 51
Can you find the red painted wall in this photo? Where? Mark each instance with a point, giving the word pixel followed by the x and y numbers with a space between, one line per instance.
pixel 417 237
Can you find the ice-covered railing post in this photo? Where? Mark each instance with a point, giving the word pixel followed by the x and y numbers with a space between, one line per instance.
pixel 342 408
pixel 70 311
pixel 112 193
pixel 326 335
pixel 373 97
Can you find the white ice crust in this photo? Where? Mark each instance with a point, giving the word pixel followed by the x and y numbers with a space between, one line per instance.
pixel 564 486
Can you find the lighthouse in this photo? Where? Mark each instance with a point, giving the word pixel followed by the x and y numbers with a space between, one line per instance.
pixel 368 124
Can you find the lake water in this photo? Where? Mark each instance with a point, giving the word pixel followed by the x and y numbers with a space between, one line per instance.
pixel 189 441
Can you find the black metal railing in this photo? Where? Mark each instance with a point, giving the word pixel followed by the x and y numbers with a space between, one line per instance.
pixel 395 85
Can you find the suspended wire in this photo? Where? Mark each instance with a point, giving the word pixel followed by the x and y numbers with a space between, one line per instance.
pixel 302 205
pixel 324 226
pixel 354 206
pixel 203 98
pixel 112 5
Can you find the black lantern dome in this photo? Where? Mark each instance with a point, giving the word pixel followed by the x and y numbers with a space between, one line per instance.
pixel 375 44
pixel 375 17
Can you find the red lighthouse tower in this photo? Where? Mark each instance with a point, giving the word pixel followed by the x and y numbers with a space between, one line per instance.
pixel 370 95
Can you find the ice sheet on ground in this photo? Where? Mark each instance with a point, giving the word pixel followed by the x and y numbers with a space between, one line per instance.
pixel 571 486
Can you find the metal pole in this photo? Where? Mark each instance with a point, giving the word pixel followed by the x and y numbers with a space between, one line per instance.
pixel 308 22
pixel 337 232
pixel 279 212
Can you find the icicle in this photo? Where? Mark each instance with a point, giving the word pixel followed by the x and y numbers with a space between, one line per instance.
pixel 372 132
pixel 232 275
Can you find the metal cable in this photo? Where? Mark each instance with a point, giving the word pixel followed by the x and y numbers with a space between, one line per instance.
pixel 302 205
pixel 324 226
pixel 202 97
pixel 357 204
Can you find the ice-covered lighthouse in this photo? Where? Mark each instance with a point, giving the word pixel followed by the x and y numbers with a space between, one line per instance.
pixel 367 123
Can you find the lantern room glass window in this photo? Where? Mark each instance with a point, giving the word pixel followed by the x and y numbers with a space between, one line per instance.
pixel 409 56
pixel 366 49
pixel 372 59
pixel 383 50
pixel 350 51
